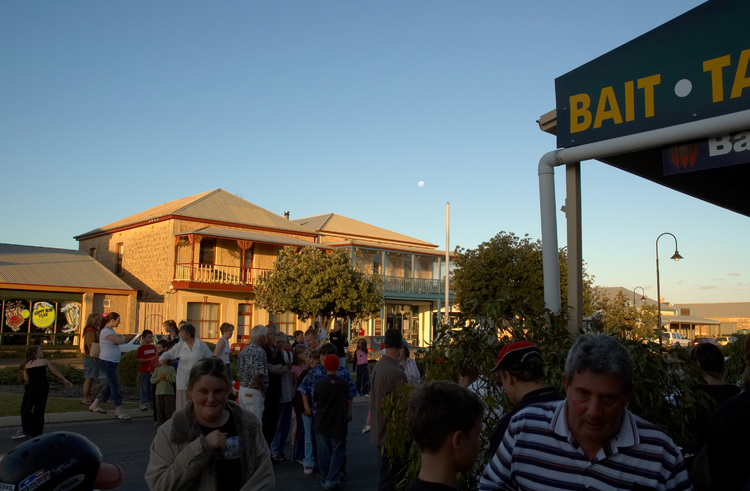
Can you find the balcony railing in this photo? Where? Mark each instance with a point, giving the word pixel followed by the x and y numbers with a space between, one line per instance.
pixel 412 285
pixel 218 274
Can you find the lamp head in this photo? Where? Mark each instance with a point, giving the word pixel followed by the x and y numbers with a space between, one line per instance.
pixel 676 256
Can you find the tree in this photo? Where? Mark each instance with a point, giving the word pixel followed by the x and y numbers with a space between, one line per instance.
pixel 502 280
pixel 616 316
pixel 312 283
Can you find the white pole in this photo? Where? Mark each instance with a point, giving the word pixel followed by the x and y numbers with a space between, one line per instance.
pixel 447 258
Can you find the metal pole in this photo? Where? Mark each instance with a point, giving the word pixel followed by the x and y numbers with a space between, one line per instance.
pixel 447 258
pixel 676 256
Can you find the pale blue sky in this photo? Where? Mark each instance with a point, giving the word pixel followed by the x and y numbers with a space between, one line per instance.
pixel 109 108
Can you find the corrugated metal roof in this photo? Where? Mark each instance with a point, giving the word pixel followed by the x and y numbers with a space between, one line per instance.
pixel 251 236
pixel 689 319
pixel 217 205
pixel 65 268
pixel 332 224
pixel 388 247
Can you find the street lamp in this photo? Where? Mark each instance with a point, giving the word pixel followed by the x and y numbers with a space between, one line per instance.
pixel 676 256
pixel 643 295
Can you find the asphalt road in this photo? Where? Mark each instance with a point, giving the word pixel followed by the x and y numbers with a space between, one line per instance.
pixel 126 443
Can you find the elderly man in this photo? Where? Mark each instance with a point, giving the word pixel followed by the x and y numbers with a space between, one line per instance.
pixel 252 372
pixel 589 440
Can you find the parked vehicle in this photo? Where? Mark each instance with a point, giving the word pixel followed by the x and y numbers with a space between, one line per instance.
pixel 133 341
pixel 725 340
pixel 698 341
pixel 674 339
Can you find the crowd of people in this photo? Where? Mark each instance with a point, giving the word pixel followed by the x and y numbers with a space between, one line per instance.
pixel 216 431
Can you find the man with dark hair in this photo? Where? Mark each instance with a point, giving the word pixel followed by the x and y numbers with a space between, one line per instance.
pixel 445 421
pixel 386 378
pixel 520 370
pixel 590 439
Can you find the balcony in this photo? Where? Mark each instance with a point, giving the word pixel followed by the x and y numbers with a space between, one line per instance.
pixel 397 284
pixel 216 274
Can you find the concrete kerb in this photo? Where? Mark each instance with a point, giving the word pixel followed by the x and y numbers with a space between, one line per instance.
pixel 73 417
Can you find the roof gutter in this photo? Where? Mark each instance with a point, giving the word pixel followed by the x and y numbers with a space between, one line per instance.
pixel 694 130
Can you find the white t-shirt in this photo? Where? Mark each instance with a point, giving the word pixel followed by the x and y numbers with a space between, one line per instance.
pixel 109 350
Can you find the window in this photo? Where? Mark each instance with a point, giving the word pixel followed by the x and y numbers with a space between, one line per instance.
pixel 285 322
pixel 92 252
pixel 205 318
pixel 244 320
pixel 207 252
pixel 118 259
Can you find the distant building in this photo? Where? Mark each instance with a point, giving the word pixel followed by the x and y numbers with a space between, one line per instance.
pixel 732 316
pixel 46 295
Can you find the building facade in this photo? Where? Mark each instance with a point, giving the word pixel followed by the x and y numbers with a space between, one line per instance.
pixel 199 258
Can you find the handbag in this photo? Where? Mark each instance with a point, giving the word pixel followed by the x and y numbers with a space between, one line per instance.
pixel 95 350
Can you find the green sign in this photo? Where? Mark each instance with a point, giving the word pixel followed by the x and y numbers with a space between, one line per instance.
pixel 694 67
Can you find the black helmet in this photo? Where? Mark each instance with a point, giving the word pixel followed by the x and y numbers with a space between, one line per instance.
pixel 60 461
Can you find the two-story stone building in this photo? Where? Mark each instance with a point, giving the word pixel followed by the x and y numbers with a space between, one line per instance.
pixel 199 258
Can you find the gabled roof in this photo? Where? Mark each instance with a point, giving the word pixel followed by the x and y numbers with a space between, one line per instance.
pixel 217 206
pixel 46 267
pixel 611 291
pixel 340 226
pixel 227 233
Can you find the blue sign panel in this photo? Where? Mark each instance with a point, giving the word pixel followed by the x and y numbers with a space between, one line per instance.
pixel 694 67
pixel 711 153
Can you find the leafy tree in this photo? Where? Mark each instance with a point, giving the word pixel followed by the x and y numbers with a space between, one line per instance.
pixel 312 283
pixel 502 280
pixel 616 316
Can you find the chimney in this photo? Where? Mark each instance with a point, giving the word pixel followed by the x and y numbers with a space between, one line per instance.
pixel 286 215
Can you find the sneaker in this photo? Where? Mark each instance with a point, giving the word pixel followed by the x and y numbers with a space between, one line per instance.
pixel 144 407
pixel 367 395
pixel 308 470
pixel 366 429
pixel 20 436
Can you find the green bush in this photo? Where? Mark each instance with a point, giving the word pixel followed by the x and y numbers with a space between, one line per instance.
pixel 128 369
pixel 11 376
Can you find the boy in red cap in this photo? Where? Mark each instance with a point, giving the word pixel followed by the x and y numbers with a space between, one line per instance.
pixel 520 370
pixel 334 411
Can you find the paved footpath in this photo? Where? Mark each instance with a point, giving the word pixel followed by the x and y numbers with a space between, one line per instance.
pixel 127 444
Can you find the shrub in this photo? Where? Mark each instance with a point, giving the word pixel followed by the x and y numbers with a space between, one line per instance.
pixel 128 369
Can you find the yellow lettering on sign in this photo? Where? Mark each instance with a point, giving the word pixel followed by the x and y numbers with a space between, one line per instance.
pixel 648 84
pixel 607 99
pixel 608 107
pixel 714 66
pixel 580 116
pixel 741 79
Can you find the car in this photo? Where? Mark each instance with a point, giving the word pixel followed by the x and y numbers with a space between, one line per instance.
pixel 725 340
pixel 742 332
pixel 698 341
pixel 133 341
pixel 674 339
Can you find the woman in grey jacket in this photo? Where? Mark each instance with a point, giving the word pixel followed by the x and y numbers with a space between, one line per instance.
pixel 211 443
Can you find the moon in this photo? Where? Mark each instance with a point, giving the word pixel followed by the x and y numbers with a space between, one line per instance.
pixel 420 184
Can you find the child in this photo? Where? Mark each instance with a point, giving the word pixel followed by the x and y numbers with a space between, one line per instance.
pixel 361 368
pixel 333 411
pixel 35 392
pixel 146 351
pixel 445 421
pixel 161 346
pixel 299 367
pixel 164 377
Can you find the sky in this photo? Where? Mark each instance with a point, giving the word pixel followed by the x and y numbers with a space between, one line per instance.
pixel 110 108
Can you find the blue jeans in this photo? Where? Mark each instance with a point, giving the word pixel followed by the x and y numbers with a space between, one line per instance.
pixel 146 389
pixel 309 460
pixel 331 454
pixel 113 383
pixel 282 428
pixel 298 453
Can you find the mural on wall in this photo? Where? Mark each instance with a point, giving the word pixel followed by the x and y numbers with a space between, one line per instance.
pixel 16 314
pixel 72 311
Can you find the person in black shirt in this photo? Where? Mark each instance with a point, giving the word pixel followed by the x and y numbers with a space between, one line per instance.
pixel 334 411
pixel 338 339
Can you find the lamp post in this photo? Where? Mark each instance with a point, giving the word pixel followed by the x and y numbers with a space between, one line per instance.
pixel 676 256
pixel 643 295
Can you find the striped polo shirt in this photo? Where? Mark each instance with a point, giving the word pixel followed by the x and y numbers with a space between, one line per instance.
pixel 539 452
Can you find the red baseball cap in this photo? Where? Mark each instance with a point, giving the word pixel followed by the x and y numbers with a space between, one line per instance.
pixel 514 355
